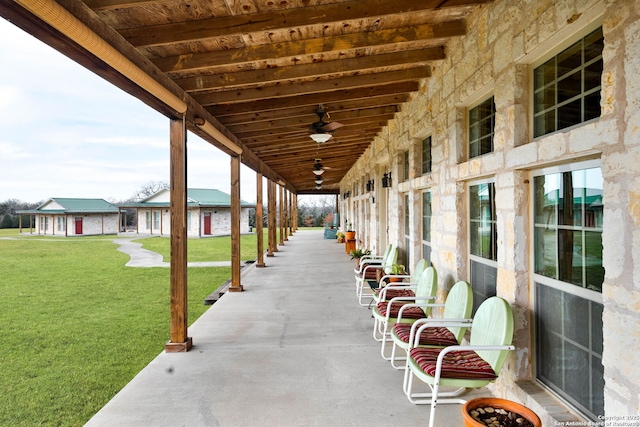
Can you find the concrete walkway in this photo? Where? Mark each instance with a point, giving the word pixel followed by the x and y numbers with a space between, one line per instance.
pixel 293 349
pixel 145 258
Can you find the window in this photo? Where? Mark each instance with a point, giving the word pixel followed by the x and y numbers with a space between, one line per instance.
pixel 148 220
pixel 188 221
pixel 567 86
pixel 405 166
pixel 156 220
pixel 61 223
pixel 426 225
pixel 426 155
pixel 407 229
pixel 568 278
pixel 482 242
pixel 481 125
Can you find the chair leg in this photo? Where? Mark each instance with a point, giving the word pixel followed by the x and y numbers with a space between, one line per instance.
pixel 394 357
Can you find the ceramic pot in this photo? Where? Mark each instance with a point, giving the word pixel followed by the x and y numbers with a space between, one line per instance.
pixel 495 402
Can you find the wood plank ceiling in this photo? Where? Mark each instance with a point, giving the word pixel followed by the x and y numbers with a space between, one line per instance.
pixel 263 67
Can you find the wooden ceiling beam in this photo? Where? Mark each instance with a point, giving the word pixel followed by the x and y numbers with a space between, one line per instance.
pixel 306 143
pixel 408 58
pixel 307 120
pixel 332 108
pixel 396 37
pixel 313 87
pixel 350 125
pixel 398 89
pixel 226 26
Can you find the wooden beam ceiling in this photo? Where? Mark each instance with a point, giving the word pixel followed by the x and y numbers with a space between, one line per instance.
pixel 260 69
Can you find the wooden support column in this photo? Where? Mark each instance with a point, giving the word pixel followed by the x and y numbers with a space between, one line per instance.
pixel 271 218
pixel 179 342
pixel 285 202
pixel 236 286
pixel 259 215
pixel 281 205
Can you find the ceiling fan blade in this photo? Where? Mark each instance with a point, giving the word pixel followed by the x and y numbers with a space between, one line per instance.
pixel 332 126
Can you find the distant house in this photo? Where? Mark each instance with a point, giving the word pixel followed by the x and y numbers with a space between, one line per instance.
pixel 208 213
pixel 73 217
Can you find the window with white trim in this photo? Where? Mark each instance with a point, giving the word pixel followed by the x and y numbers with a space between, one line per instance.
pixel 566 88
pixel 482 241
pixel 482 120
pixel 568 277
pixel 426 225
pixel 426 155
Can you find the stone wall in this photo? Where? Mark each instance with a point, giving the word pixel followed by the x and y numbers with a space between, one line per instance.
pixel 503 39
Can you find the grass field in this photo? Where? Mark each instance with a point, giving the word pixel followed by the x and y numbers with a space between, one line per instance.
pixel 77 324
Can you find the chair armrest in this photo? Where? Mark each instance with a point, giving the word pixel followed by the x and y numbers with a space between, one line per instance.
pixel 424 304
pixel 398 299
pixel 434 323
pixel 362 265
pixel 383 290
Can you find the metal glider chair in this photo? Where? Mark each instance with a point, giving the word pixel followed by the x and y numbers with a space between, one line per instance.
pixel 457 309
pixel 369 272
pixel 367 260
pixel 399 289
pixel 410 309
pixel 463 366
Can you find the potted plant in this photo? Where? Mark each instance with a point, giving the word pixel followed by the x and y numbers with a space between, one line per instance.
pixel 397 270
pixel 340 236
pixel 350 234
pixel 359 253
pixel 506 412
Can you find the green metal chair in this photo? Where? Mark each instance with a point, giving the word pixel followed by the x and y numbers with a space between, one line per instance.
pixel 462 366
pixel 457 309
pixel 410 309
pixel 389 291
pixel 369 270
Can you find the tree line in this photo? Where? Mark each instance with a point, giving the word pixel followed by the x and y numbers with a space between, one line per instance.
pixel 8 216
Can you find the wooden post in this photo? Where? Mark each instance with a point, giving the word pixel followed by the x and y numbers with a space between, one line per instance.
pixel 236 286
pixel 285 202
pixel 179 342
pixel 281 205
pixel 259 214
pixel 271 218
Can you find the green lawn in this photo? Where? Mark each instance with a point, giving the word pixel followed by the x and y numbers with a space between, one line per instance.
pixel 77 324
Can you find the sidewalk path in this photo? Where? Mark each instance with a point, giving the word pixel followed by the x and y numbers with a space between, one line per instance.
pixel 145 258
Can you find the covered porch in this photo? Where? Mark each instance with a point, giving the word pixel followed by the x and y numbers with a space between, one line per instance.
pixel 293 349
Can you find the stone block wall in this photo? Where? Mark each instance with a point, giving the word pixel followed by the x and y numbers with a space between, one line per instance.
pixel 495 57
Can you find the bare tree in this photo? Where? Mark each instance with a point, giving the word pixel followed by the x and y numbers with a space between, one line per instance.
pixel 149 189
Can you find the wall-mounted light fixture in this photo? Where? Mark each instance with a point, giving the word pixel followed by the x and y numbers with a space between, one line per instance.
pixel 386 180
pixel 370 185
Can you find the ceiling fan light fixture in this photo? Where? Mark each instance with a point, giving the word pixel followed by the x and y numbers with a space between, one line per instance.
pixel 320 138
pixel 318 169
pixel 318 180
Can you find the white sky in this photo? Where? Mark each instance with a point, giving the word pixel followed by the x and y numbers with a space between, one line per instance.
pixel 65 132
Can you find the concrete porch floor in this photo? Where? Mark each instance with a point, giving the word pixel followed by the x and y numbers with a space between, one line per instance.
pixel 293 349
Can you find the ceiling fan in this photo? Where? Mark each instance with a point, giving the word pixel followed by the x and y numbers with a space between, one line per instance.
pixel 320 131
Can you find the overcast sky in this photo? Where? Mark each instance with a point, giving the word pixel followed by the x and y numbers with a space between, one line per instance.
pixel 65 132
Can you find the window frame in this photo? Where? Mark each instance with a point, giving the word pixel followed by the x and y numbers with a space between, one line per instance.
pixel 551 53
pixel 426 164
pixel 539 282
pixel 423 216
pixel 473 258
pixel 491 117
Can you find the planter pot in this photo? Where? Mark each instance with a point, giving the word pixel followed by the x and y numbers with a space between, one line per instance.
pixel 396 279
pixel 493 402
pixel 350 235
